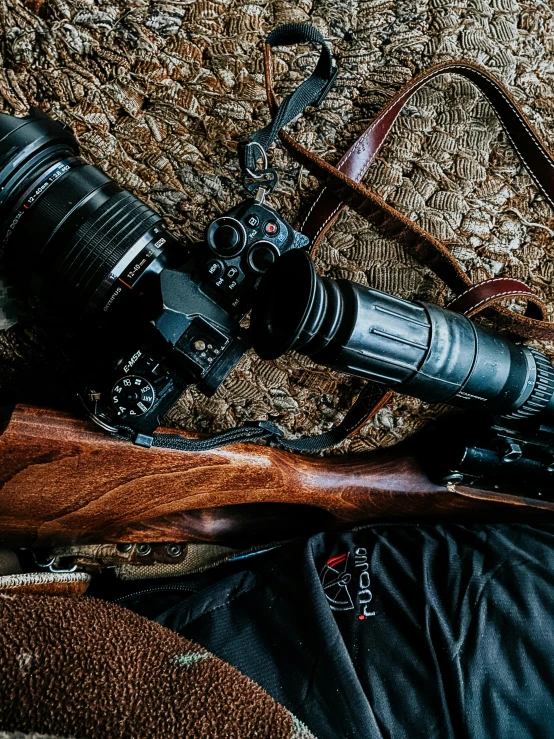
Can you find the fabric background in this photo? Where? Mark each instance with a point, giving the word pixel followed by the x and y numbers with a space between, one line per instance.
pixel 78 667
pixel 159 93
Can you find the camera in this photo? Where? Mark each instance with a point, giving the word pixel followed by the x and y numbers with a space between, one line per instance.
pixel 419 349
pixel 154 318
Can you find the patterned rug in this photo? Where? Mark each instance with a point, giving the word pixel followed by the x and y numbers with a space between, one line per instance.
pixel 159 93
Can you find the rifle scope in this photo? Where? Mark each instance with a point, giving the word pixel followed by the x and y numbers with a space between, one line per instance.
pixel 418 349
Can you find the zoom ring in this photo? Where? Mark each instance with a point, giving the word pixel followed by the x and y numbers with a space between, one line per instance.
pixel 101 242
pixel 541 393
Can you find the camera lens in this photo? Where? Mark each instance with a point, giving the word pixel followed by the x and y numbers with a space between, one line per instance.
pixel 67 228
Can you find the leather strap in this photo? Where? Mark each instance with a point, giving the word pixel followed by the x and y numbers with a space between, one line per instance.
pixel 342 188
pixel 525 141
pixel 491 292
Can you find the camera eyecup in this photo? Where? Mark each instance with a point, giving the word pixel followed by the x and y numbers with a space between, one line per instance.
pixel 289 306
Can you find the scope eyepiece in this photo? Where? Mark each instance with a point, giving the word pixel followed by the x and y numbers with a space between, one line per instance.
pixel 418 349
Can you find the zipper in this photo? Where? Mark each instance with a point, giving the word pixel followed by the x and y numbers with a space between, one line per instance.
pixel 160 588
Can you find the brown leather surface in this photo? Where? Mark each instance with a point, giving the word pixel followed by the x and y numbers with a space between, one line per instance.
pixel 491 292
pixel 369 402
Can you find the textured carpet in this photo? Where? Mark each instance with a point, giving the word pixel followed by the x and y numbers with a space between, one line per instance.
pixel 159 93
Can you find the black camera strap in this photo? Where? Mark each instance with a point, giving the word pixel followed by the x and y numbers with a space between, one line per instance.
pixel 312 91
pixel 368 402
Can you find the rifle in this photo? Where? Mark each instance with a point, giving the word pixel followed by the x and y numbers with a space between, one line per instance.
pixel 62 481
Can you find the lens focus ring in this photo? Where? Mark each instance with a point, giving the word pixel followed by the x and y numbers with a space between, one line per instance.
pixel 541 393
pixel 102 241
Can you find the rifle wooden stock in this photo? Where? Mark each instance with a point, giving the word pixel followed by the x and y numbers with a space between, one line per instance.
pixel 62 480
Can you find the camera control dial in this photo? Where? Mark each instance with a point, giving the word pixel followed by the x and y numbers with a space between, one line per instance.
pixel 261 256
pixel 226 236
pixel 132 396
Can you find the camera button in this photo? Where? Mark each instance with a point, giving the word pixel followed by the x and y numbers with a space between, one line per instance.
pixel 214 268
pixel 253 221
pixel 261 256
pixel 271 228
pixel 226 236
pixel 231 272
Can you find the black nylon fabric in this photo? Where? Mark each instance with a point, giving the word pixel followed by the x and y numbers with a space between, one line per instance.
pixel 386 631
pixel 311 91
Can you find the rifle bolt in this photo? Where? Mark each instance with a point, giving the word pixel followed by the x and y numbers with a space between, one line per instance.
pixel 143 550
pixel 174 550
pixel 511 451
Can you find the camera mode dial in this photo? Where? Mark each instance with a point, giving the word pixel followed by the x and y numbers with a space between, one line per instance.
pixel 132 396
pixel 226 237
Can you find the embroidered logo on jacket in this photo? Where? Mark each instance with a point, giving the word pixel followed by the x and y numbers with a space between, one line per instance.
pixel 348 590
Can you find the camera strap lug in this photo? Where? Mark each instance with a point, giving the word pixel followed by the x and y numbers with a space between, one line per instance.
pixel 259 197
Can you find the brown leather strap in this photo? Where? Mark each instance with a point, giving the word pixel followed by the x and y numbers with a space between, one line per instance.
pixel 368 403
pixel 342 189
pixel 491 292
pixel 358 158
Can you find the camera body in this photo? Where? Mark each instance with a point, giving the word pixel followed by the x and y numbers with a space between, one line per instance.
pixel 190 315
pixel 151 317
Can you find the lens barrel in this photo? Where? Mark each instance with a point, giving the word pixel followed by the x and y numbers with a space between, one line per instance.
pixel 66 227
pixel 418 349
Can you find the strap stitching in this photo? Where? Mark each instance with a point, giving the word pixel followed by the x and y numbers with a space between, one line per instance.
pixel 510 293
pixel 411 91
pixel 526 126
pixel 339 206
pixel 487 282
pixel 316 201
pixel 356 148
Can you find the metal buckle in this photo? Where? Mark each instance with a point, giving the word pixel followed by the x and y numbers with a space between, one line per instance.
pixel 264 157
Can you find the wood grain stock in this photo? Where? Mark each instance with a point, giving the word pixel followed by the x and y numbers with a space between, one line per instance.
pixel 64 481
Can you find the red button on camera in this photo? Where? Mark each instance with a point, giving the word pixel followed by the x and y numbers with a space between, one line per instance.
pixel 271 228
